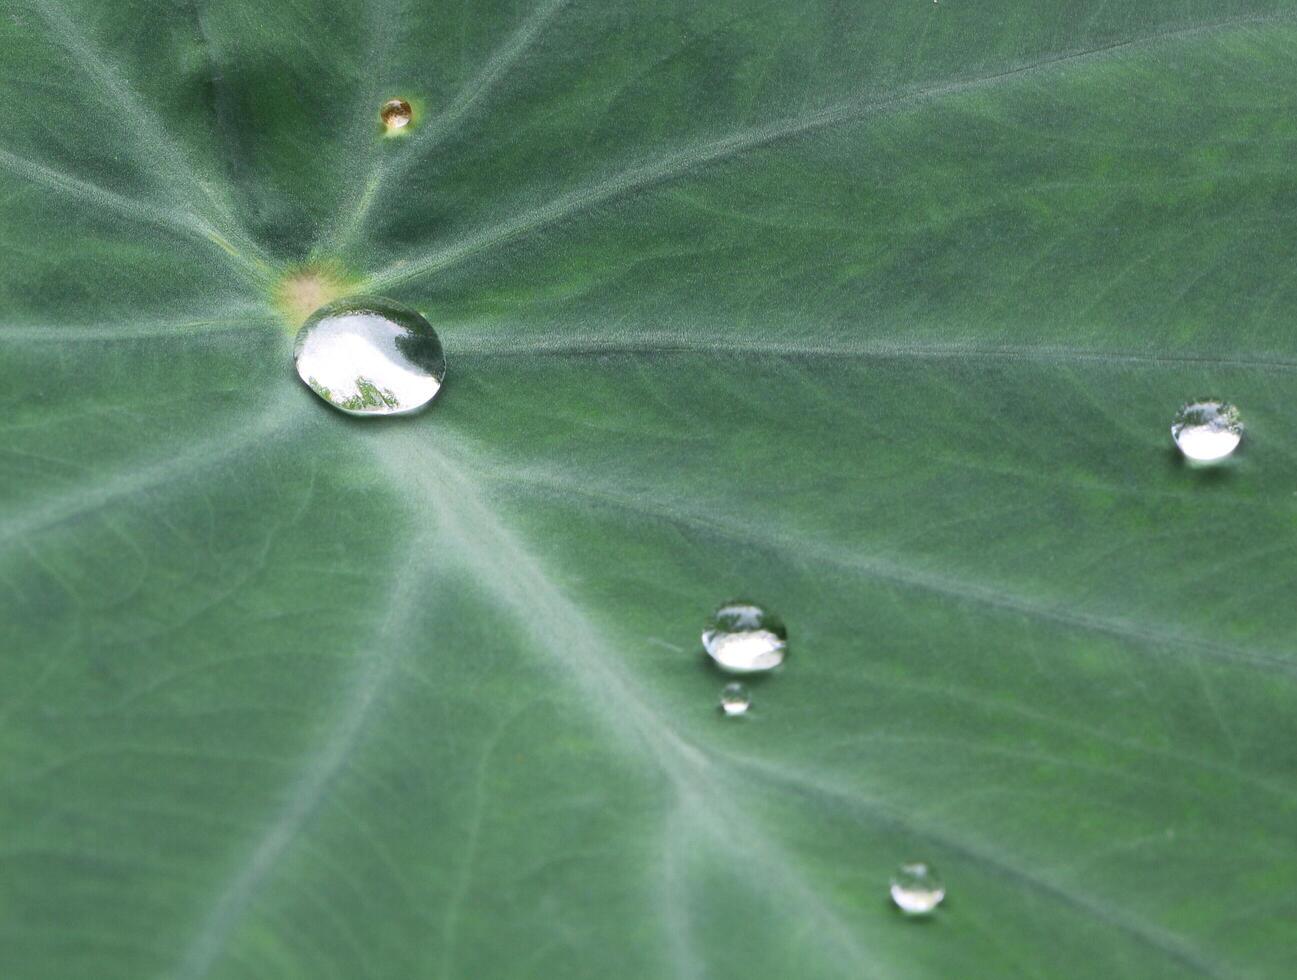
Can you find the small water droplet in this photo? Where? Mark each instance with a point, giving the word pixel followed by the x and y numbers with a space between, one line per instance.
pixel 743 638
pixel 917 889
pixel 1207 431
pixel 396 114
pixel 735 700
pixel 370 356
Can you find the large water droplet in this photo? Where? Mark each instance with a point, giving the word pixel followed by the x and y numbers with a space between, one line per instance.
pixel 1207 431
pixel 743 638
pixel 370 356
pixel 735 700
pixel 396 114
pixel 917 889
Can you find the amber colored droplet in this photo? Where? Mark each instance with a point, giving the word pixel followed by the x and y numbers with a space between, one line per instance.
pixel 396 114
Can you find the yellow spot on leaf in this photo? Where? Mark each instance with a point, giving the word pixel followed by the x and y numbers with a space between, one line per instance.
pixel 305 289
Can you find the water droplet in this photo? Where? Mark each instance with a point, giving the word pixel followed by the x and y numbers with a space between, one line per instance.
pixel 735 700
pixel 1207 431
pixel 743 638
pixel 396 114
pixel 370 356
pixel 917 889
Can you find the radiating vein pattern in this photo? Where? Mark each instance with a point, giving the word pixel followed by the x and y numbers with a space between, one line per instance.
pixel 874 314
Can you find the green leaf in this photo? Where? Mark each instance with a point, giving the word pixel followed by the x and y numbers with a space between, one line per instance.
pixel 876 312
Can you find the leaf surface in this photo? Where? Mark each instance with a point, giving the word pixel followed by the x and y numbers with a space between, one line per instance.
pixel 875 312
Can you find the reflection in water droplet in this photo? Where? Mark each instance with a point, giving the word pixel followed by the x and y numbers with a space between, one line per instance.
pixel 744 638
pixel 1207 431
pixel 917 889
pixel 735 700
pixel 370 356
pixel 396 114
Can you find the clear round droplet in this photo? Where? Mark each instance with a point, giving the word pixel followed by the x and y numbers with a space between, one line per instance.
pixel 369 356
pixel 917 889
pixel 735 700
pixel 396 113
pixel 1207 431
pixel 743 638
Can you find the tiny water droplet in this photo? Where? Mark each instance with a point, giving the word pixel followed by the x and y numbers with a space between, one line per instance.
pixel 369 356
pixel 743 638
pixel 396 113
pixel 917 889
pixel 735 700
pixel 1207 431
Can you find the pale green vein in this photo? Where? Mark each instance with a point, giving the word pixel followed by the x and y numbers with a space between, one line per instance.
pixel 184 223
pixel 1108 913
pixel 701 155
pixel 1019 714
pixel 65 32
pixel 139 477
pixel 237 321
pixel 678 930
pixel 894 572
pixel 468 534
pixel 474 533
pixel 522 583
pixel 471 535
pixel 385 28
pixel 304 795
pixel 464 878
pixel 497 66
pixel 651 343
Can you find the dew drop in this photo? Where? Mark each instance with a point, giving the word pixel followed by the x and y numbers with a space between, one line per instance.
pixel 743 638
pixel 396 114
pixel 369 356
pixel 917 889
pixel 1207 431
pixel 735 700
